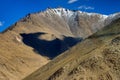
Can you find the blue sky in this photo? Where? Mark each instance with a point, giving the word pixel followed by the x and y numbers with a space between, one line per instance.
pixel 13 10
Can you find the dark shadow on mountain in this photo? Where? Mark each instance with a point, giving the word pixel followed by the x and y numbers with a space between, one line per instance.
pixel 48 48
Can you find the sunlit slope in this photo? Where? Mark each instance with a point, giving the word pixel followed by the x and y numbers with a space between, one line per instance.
pixel 16 59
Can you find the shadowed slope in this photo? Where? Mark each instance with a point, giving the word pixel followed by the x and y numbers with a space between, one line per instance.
pixel 50 48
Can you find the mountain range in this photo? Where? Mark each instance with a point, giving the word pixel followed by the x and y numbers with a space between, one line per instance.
pixel 61 44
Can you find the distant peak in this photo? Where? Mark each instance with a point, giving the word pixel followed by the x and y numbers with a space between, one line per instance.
pixel 59 11
pixel 115 14
pixel 63 12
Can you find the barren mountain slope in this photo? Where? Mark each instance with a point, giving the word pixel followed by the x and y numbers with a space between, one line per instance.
pixel 95 58
pixel 61 21
pixel 16 59
pixel 36 39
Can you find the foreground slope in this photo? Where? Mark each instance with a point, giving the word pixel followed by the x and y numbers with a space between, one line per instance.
pixel 16 59
pixel 96 58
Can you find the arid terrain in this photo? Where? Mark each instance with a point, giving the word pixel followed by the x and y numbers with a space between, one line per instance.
pixel 95 58
pixel 61 44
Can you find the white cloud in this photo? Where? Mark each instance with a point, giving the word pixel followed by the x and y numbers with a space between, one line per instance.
pixel 72 1
pixel 1 23
pixel 86 7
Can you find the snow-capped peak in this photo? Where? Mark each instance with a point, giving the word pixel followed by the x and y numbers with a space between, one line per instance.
pixel 116 15
pixel 62 12
pixel 112 17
